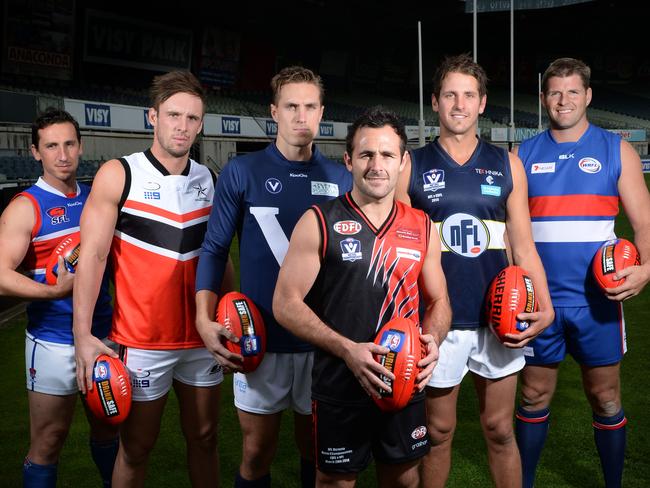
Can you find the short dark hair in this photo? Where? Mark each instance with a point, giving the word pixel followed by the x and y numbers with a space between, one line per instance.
pixel 295 74
pixel 563 67
pixel 375 118
pixel 464 64
pixel 50 117
pixel 169 84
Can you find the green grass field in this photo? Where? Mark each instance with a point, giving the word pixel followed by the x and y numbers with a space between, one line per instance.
pixel 569 459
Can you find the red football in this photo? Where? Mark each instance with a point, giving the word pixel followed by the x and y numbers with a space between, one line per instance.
pixel 611 257
pixel 69 249
pixel 402 337
pixel 510 293
pixel 110 398
pixel 239 315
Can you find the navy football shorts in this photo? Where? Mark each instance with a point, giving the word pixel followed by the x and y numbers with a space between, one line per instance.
pixel 348 437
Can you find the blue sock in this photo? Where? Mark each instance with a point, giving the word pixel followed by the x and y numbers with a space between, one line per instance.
pixel 307 473
pixel 263 482
pixel 609 434
pixel 531 429
pixel 39 475
pixel 104 454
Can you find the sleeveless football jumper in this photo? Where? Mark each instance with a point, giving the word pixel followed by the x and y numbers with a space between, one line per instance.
pixel 158 234
pixel 573 200
pixel 467 203
pixel 57 216
pixel 368 276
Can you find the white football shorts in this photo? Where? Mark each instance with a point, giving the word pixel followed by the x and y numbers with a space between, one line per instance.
pixel 50 367
pixel 153 371
pixel 282 380
pixel 475 350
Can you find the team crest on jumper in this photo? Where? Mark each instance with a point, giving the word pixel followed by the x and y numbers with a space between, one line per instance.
pixel 350 249
pixel 57 215
pixel 201 193
pixel 465 235
pixel 273 185
pixel 433 180
pixel 590 165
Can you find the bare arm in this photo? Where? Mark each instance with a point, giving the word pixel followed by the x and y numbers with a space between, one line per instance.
pixel 524 254
pixel 16 225
pixel 437 315
pixel 402 189
pixel 297 275
pixel 98 221
pixel 636 203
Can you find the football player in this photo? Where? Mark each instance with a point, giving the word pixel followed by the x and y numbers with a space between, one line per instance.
pixel 476 194
pixel 148 212
pixel 31 227
pixel 340 284
pixel 260 196
pixel 577 174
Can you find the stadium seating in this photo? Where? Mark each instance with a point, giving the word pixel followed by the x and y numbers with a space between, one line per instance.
pixel 26 168
pixel 610 108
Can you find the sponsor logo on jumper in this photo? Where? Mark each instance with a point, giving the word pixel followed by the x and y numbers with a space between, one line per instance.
pixel 406 253
pixel 493 172
pixel 491 190
pixel 325 189
pixel 408 234
pixel 542 168
pixel 347 227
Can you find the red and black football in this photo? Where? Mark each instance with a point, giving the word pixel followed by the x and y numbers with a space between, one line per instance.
pixel 402 337
pixel 239 315
pixel 110 398
pixel 69 249
pixel 611 257
pixel 510 293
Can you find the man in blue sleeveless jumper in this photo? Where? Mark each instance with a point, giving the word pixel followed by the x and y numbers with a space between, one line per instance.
pixel 577 174
pixel 476 194
pixel 31 227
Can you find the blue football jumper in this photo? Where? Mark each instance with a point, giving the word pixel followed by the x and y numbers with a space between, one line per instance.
pixel 261 196
pixel 467 203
